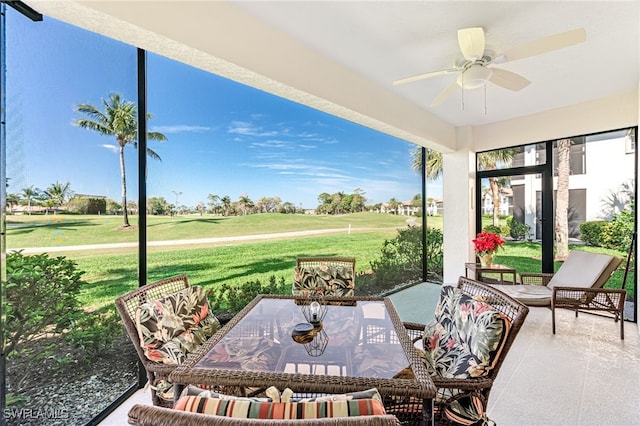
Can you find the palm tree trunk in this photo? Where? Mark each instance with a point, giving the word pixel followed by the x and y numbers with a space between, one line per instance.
pixel 562 200
pixel 495 194
pixel 123 177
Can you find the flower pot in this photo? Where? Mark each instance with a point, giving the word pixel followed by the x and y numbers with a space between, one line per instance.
pixel 486 259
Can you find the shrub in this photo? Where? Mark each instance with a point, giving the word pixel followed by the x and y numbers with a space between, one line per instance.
pixel 518 230
pixel 233 297
pixel 492 229
pixel 613 235
pixel 41 296
pixel 593 233
pixel 620 230
pixel 401 258
pixel 94 332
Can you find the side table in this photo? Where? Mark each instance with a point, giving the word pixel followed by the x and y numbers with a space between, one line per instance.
pixel 477 271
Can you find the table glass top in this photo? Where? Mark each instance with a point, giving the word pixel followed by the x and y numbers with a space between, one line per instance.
pixel 356 340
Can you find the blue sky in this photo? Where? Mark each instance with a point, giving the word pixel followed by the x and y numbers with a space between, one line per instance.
pixel 223 138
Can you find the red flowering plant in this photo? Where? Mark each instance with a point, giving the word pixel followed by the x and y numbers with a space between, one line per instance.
pixel 487 242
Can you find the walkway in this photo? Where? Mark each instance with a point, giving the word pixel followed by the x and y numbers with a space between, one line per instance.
pixel 216 240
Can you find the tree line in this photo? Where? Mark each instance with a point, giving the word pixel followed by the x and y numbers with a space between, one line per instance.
pixel 59 196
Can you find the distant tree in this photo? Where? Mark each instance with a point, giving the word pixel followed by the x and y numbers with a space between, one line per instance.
pixel 214 203
pixel 132 206
pixel 158 206
pixel 57 194
pixel 244 204
pixel 325 203
pixel 226 205
pixel 118 119
pixel 12 200
pixel 30 193
pixel 393 205
pixel 416 201
pixel 201 208
pixel 287 207
pixel 358 200
pixel 113 207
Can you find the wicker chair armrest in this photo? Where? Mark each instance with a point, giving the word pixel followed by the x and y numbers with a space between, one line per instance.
pixel 535 279
pixel 415 330
pixel 475 383
pixel 146 415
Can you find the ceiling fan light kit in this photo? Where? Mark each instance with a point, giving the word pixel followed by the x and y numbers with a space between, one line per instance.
pixel 474 76
pixel 476 68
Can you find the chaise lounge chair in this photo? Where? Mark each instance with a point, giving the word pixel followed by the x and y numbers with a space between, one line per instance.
pixel 577 285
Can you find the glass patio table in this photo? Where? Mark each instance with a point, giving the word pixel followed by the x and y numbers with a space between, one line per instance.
pixel 361 344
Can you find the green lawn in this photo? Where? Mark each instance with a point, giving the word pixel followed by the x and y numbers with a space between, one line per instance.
pixel 114 271
pixel 111 272
pixel 66 230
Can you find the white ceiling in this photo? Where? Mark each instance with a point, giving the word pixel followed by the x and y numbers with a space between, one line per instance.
pixel 342 56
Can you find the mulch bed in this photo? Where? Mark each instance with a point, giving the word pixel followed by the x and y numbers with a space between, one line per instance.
pixel 61 387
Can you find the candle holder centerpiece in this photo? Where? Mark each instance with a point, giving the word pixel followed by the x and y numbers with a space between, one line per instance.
pixel 314 309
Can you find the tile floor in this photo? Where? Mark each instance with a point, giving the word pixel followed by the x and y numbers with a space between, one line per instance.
pixel 584 375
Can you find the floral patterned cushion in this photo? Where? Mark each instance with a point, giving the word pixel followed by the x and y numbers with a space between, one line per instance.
pixel 330 280
pixel 466 337
pixel 174 326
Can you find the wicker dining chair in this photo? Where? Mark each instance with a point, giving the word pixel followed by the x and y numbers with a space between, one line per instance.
pixel 333 276
pixel 452 393
pixel 146 415
pixel 127 306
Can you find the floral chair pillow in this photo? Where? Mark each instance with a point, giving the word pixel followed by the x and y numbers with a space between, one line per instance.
pixel 465 338
pixel 333 281
pixel 174 326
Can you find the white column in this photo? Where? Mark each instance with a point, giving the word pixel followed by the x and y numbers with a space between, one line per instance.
pixel 459 206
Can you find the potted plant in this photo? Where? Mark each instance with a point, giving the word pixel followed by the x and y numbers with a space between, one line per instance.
pixel 486 244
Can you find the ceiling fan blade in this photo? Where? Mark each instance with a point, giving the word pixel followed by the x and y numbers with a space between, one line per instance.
pixel 425 75
pixel 448 91
pixel 543 45
pixel 508 80
pixel 471 42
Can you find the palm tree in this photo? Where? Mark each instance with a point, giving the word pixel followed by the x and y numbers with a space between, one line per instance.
pixel 119 120
pixel 393 205
pixel 226 205
pixel 244 204
pixel 563 147
pixel 434 162
pixel 486 160
pixel 214 202
pixel 29 194
pixel 57 194
pixel 489 161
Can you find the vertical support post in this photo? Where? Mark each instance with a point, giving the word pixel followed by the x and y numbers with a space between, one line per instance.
pixel 3 202
pixel 142 183
pixel 423 170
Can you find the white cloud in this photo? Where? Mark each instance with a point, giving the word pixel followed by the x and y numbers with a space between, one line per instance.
pixel 246 128
pixel 181 128
pixel 110 147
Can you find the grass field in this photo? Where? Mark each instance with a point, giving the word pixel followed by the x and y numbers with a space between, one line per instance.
pixel 67 230
pixel 114 271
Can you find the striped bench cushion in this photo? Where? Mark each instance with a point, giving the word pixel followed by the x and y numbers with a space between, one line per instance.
pixel 241 408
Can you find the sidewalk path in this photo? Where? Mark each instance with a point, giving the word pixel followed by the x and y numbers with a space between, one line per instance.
pixel 32 250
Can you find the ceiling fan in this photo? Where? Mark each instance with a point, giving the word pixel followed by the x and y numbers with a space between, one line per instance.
pixel 475 67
